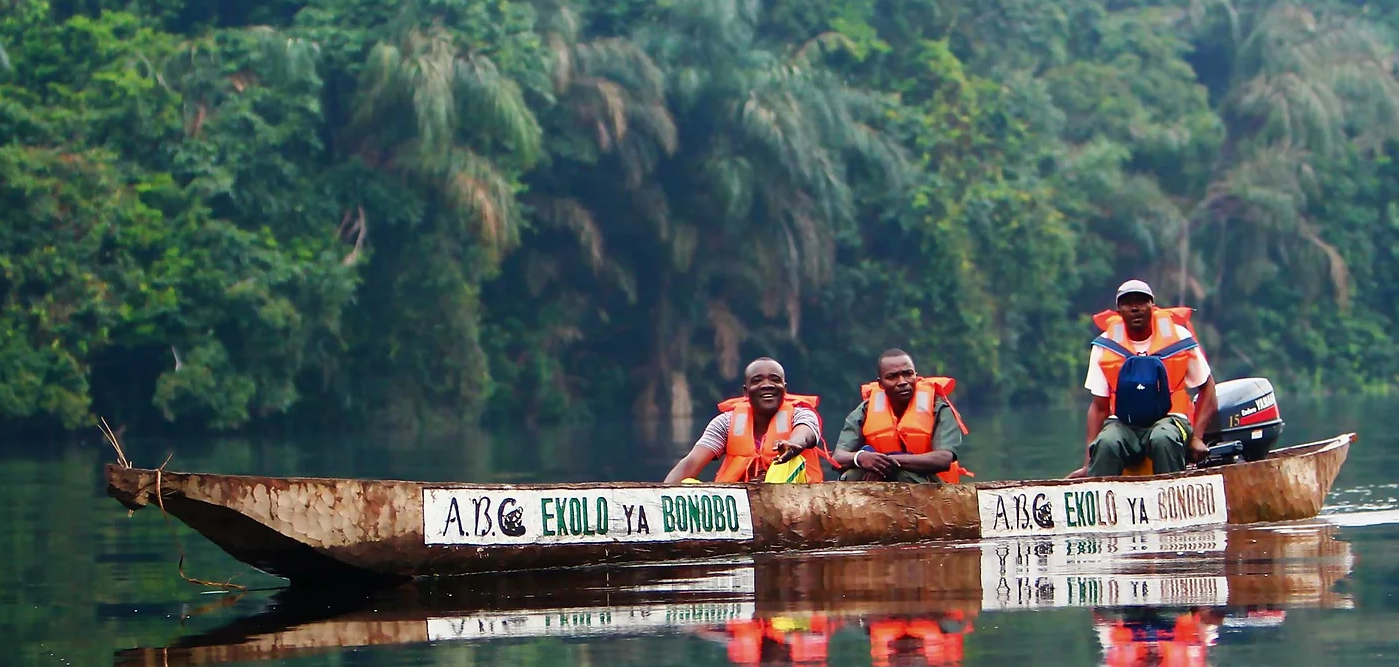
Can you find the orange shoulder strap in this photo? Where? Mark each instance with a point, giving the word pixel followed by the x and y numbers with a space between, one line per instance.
pixel 943 386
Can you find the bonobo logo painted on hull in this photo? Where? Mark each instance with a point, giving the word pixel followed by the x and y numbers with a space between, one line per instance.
pixel 481 517
pixel 1102 507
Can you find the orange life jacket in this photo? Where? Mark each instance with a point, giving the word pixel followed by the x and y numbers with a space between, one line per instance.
pixel 746 641
pixel 1185 646
pixel 1163 338
pixel 743 461
pixel 808 647
pixel 939 648
pixel 913 432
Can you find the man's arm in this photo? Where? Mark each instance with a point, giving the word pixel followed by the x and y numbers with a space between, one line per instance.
pixel 1198 374
pixel 852 440
pixel 803 438
pixel 708 447
pixel 1206 405
pixel 1099 410
pixel 691 465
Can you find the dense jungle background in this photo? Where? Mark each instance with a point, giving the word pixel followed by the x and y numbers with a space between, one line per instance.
pixel 242 214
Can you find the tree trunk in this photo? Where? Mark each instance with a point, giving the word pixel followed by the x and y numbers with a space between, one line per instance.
pixel 681 404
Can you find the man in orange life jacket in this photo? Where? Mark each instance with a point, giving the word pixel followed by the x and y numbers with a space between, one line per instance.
pixel 767 425
pixel 939 637
pixel 1140 327
pixel 904 431
pixel 1159 636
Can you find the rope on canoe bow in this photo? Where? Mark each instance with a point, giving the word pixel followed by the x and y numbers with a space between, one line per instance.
pixel 160 500
pixel 227 585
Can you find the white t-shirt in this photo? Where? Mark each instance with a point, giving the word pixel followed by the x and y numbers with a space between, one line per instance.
pixel 1195 375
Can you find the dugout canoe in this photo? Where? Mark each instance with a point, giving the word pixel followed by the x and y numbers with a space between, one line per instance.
pixel 318 531
pixel 1233 569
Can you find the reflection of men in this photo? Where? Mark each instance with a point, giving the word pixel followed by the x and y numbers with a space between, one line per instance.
pixel 1151 416
pixel 939 639
pixel 780 640
pixel 1165 636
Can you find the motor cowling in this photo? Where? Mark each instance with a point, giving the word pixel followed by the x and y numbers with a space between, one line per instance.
pixel 1248 422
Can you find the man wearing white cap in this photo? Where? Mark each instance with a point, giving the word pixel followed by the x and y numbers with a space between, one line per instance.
pixel 1139 372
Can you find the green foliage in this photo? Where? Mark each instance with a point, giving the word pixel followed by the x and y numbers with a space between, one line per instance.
pixel 414 213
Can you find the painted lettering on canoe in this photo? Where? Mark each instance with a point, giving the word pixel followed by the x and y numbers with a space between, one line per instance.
pixel 1106 590
pixel 1103 507
pixel 481 517
pixel 586 621
pixel 1088 570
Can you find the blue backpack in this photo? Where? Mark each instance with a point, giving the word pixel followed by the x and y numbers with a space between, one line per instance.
pixel 1143 388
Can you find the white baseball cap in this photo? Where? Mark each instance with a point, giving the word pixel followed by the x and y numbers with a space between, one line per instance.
pixel 1134 286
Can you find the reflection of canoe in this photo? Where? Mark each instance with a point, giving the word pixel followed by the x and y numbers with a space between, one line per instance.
pixel 1232 569
pixel 330 531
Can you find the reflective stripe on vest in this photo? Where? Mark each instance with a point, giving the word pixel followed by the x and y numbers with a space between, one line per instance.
pixel 913 432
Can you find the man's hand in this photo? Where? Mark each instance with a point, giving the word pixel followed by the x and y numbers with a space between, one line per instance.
pixel 880 464
pixel 1081 472
pixel 1198 450
pixel 786 450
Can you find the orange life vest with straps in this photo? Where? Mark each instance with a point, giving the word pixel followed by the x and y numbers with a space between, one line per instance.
pixel 913 432
pixel 938 647
pixel 1184 646
pixel 806 647
pixel 1173 350
pixel 744 461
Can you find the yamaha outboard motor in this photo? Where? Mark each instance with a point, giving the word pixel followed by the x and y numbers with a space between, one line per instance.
pixel 1247 424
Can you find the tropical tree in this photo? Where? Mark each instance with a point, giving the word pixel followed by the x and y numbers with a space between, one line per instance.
pixel 1306 84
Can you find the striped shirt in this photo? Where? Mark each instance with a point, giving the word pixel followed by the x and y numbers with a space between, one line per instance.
pixel 716 435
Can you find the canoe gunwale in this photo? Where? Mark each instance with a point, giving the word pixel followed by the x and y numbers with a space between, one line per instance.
pixel 1302 449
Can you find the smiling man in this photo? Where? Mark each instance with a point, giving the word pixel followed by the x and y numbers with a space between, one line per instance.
pixel 764 426
pixel 905 429
pixel 1138 373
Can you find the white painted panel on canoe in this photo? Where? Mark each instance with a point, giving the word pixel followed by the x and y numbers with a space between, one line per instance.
pixel 1103 507
pixel 1097 570
pixel 587 621
pixel 1107 590
pixel 584 516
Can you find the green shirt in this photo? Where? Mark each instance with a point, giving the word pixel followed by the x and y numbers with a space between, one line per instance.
pixel 947 436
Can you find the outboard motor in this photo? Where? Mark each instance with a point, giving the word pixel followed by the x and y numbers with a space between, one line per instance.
pixel 1247 424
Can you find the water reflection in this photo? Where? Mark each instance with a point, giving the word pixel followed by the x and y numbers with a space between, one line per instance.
pixel 1161 598
pixel 80 579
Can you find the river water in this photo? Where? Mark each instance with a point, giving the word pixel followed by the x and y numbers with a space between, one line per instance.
pixel 83 583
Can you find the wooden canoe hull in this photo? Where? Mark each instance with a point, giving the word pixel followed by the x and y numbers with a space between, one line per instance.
pixel 316 530
pixel 1231 568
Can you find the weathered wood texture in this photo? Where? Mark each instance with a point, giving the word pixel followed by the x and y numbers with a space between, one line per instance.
pixel 316 531
pixel 1298 567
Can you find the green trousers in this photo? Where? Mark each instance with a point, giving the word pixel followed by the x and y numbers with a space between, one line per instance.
pixel 900 475
pixel 1119 445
